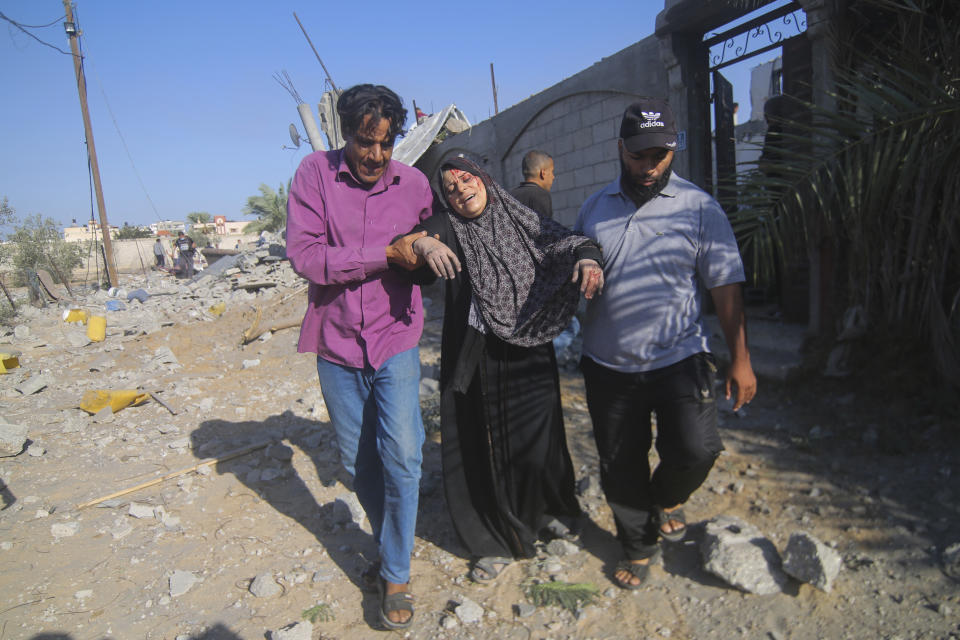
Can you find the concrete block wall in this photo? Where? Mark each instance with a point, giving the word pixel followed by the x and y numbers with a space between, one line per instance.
pixel 576 121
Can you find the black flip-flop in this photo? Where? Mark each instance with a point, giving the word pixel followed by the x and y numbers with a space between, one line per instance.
pixel 489 568
pixel 401 601
pixel 663 517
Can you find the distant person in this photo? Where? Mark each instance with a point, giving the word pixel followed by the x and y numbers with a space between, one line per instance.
pixel 644 347
pixel 159 254
pixel 534 191
pixel 238 246
pixel 186 249
pixel 364 320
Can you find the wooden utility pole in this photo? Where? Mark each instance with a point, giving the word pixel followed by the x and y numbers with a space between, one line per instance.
pixel 73 33
pixel 493 81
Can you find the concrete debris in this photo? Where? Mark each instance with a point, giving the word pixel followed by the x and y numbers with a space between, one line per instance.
pixel 21 332
pixel 468 611
pixel 249 364
pixel 524 610
pixel 449 622
pixel 35 450
pixel 12 438
pixel 347 508
pixel 809 560
pixel 738 553
pixel 34 384
pixel 140 510
pixel 264 586
pixel 181 582
pixel 560 547
pixel 302 630
pixel 65 529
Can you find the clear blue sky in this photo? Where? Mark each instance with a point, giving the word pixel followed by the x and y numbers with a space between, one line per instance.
pixel 186 88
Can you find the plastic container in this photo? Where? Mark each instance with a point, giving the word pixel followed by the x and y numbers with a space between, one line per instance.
pixel 97 328
pixel 75 315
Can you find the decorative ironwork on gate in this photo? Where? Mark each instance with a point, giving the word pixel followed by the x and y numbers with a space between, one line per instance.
pixel 756 36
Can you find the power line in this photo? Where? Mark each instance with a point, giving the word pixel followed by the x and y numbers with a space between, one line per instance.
pixel 24 27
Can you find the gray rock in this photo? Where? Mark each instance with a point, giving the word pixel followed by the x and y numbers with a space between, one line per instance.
pixel 21 332
pixel 180 582
pixel 12 438
pixel 34 384
pixel 449 622
pixel 140 510
pixel 346 508
pixel 561 547
pixel 35 450
pixel 249 364
pixel 738 553
pixel 264 586
pixel 428 387
pixel 64 529
pixel 809 560
pixel 468 611
pixel 302 630
pixel 523 610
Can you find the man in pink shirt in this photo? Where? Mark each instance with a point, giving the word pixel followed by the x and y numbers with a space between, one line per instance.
pixel 364 318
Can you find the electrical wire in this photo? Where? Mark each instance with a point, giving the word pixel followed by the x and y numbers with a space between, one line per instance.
pixel 24 27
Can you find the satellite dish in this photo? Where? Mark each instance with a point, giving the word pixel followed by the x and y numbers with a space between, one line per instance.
pixel 294 136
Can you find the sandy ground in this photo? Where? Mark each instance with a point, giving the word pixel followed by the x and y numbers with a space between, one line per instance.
pixel 876 484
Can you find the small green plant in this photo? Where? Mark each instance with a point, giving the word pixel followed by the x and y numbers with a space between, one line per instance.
pixel 320 611
pixel 568 595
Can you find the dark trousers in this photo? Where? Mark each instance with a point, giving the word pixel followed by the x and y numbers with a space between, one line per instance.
pixel 159 258
pixel 683 397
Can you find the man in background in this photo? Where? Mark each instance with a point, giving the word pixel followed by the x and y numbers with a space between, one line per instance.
pixel 186 250
pixel 159 254
pixel 534 191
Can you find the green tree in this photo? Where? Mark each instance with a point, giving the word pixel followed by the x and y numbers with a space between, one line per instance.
pixel 36 244
pixel 199 218
pixel 131 232
pixel 873 179
pixel 270 207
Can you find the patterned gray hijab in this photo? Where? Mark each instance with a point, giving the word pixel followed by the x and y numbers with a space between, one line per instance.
pixel 520 264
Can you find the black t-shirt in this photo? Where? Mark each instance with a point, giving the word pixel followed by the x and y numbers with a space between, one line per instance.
pixel 535 197
pixel 185 245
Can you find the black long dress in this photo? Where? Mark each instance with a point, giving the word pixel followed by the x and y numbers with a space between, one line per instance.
pixel 504 450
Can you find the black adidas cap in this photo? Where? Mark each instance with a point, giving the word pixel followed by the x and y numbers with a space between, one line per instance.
pixel 648 123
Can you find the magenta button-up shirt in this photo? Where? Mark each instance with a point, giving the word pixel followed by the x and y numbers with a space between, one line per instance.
pixel 359 310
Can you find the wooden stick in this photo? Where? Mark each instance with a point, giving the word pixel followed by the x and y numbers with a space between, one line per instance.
pixel 153 394
pixel 249 336
pixel 228 456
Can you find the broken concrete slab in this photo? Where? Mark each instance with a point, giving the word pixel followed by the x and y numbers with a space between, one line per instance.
pixel 738 553
pixel 811 561
pixel 12 438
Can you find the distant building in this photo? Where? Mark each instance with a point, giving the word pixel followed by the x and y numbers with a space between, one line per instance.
pixel 167 227
pixel 90 231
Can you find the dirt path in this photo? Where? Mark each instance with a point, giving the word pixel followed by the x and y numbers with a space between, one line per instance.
pixel 810 457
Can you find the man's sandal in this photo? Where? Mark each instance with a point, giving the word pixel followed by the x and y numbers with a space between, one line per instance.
pixel 400 601
pixel 488 568
pixel 662 518
pixel 639 571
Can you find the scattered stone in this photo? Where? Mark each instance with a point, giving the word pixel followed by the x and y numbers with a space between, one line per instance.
pixel 104 415
pixel 429 387
pixel 449 622
pixel 35 450
pixel 809 560
pixel 523 610
pixel 738 553
pixel 21 332
pixel 560 547
pixel 164 356
pixel 552 567
pixel 180 443
pixel 468 611
pixel 34 384
pixel 181 582
pixel 346 508
pixel 249 364
pixel 302 630
pixel 264 586
pixel 65 529
pixel 83 594
pixel 140 510
pixel 951 560
pixel 204 470
pixel 12 438
pixel 122 531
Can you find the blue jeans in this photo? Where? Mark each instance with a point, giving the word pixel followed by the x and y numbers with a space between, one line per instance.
pixel 376 415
